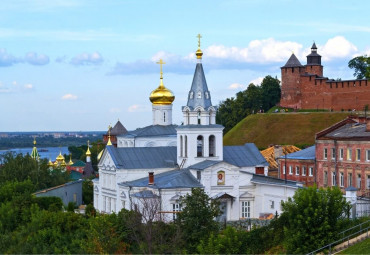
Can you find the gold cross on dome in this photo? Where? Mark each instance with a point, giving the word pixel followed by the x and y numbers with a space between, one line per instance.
pixel 161 63
pixel 199 36
pixel 109 127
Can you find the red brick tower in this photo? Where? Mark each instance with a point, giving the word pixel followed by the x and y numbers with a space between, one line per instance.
pixel 290 83
pixel 314 62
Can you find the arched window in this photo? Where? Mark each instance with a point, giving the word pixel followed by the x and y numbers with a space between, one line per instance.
pixel 199 95
pixel 186 146
pixel 212 146
pixel 181 146
pixel 200 146
pixel 164 117
pixel 199 117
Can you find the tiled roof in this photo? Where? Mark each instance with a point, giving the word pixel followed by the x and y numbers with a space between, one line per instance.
pixel 244 155
pixel 199 85
pixel 78 163
pixel 308 154
pixel 293 62
pixel 153 130
pixel 168 180
pixel 143 157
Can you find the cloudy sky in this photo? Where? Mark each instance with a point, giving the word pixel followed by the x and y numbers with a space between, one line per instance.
pixel 84 64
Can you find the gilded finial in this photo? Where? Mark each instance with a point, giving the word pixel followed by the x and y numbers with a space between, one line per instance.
pixel 34 140
pixel 161 63
pixel 109 141
pixel 88 153
pixel 199 52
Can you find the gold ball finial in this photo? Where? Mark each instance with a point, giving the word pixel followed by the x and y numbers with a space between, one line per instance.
pixel 199 52
pixel 34 140
pixel 161 95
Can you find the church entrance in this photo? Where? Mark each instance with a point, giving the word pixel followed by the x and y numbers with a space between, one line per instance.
pixel 223 209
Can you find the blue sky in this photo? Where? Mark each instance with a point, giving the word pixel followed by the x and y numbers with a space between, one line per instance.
pixel 84 64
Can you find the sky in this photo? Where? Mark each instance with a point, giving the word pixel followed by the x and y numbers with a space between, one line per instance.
pixel 80 65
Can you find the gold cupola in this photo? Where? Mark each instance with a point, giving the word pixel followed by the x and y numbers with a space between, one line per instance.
pixel 199 52
pixel 161 95
pixel 88 153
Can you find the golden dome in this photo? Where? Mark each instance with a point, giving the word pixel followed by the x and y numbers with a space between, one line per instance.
pixel 161 95
pixel 88 153
pixel 60 157
pixel 50 163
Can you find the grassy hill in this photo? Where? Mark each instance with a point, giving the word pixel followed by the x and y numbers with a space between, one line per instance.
pixel 281 128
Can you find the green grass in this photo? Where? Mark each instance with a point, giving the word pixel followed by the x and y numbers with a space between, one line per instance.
pixel 359 248
pixel 285 128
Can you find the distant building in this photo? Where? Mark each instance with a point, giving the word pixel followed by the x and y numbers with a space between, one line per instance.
pixel 117 130
pixel 305 87
pixel 68 192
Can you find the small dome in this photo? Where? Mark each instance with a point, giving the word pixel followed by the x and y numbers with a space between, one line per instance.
pixel 60 157
pixel 161 95
pixel 88 153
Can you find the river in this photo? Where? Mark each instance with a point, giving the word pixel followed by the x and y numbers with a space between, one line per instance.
pixel 46 152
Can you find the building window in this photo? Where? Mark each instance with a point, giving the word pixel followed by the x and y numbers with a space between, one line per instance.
pixel 349 154
pixel 199 94
pixel 272 204
pixel 303 170
pixel 333 179
pixel 297 170
pixel 181 147
pixel 358 154
pixel 325 178
pixel 367 155
pixel 199 122
pixel 368 182
pixel 290 170
pixel 311 171
pixel 325 153
pixel 75 197
pixel 164 117
pixel 341 153
pixel 284 169
pixel 212 145
pixel 186 146
pixel 175 209
pixel 246 209
pixel 359 181
pixel 332 153
pixel 349 179
pixel 341 179
pixel 199 175
pixel 200 146
pixel 123 204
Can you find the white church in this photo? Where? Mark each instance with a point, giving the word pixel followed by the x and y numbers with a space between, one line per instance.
pixel 163 161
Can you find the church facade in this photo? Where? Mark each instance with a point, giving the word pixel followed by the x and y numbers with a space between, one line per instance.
pixel 180 158
pixel 305 87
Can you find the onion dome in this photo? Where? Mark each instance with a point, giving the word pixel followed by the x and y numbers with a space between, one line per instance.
pixel 60 157
pixel 50 164
pixel 100 155
pixel 70 161
pixel 63 164
pixel 161 95
pixel 88 153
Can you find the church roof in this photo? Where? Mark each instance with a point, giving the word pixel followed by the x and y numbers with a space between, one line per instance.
pixel 167 180
pixel 200 126
pixel 143 157
pixel 257 178
pixel 118 129
pixel 204 164
pixel 153 130
pixel 293 62
pixel 78 163
pixel 199 94
pixel 244 155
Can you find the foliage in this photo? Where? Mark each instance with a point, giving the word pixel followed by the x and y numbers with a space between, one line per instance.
pixel 361 65
pixel 49 203
pixel 313 218
pixel 252 100
pixel 87 191
pixel 196 220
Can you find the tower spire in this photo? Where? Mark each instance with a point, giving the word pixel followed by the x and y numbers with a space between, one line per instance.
pixel 35 154
pixel 199 52
pixel 109 141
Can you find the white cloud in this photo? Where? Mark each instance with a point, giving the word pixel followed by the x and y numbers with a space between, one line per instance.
pixel 87 59
pixel 35 59
pixel 235 86
pixel 137 108
pixel 337 47
pixel 15 87
pixel 69 97
pixel 7 59
pixel 257 81
pixel 28 86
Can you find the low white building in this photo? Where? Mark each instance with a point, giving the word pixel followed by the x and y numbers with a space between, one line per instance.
pixel 155 165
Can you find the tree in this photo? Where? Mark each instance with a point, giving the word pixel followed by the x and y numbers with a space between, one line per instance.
pixel 87 191
pixel 271 92
pixel 196 219
pixel 361 65
pixel 313 216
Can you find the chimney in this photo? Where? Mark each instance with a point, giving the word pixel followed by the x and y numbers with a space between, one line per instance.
pixel 151 178
pixel 367 125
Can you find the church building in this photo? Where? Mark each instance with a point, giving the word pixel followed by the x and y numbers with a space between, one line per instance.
pixel 155 165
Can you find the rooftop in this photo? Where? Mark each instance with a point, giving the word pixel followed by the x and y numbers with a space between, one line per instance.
pixel 308 154
pixel 152 130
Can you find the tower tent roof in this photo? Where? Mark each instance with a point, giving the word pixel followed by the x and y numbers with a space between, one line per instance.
pixel 293 62
pixel 118 129
pixel 199 94
pixel 314 46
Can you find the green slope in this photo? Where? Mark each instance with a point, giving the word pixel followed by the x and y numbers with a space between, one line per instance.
pixel 359 248
pixel 281 128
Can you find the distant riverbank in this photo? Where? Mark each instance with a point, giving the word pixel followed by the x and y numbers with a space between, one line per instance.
pixel 44 152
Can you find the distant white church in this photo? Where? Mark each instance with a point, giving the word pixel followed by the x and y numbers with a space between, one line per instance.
pixel 162 162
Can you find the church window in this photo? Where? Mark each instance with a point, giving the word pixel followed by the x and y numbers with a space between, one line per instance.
pixel 164 117
pixel 206 94
pixel 187 117
pixel 123 203
pixel 181 147
pixel 272 204
pixel 246 209
pixel 191 94
pixel 199 175
pixel 199 118
pixel 186 146
pixel 200 146
pixel 175 209
pixel 199 94
pixel 212 149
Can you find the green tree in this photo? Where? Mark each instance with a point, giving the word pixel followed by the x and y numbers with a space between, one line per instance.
pixel 361 65
pixel 196 219
pixel 313 216
pixel 271 92
pixel 87 191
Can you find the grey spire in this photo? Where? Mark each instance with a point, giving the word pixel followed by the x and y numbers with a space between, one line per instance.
pixel 314 46
pixel 199 94
pixel 293 62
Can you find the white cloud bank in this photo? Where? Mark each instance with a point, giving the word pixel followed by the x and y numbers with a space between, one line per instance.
pixel 70 97
pixel 94 58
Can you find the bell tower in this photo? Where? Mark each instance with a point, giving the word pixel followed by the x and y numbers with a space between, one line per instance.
pixel 200 138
